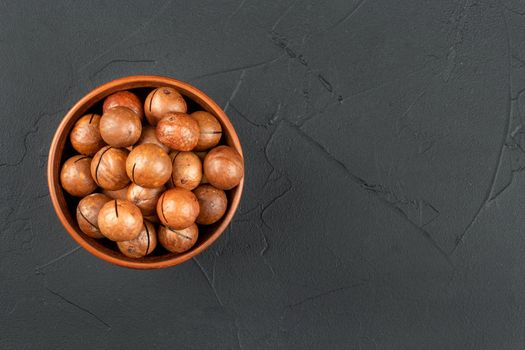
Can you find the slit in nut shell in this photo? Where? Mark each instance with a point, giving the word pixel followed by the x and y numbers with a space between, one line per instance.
pixel 210 132
pixel 120 220
pixel 87 213
pixel 85 136
pixel 161 101
pixel 75 176
pixel 178 241
pixel 108 168
pixel 144 244
pixel 148 166
pixel 178 208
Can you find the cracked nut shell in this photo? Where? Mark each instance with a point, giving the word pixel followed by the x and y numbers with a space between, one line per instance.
pixel 75 176
pixel 187 170
pixel 85 136
pixel 162 101
pixel 223 167
pixel 212 202
pixel 148 166
pixel 178 131
pixel 120 127
pixel 210 130
pixel 120 220
pixel 178 241
pixel 87 214
pixel 124 99
pixel 144 244
pixel 108 168
pixel 177 208
pixel 144 198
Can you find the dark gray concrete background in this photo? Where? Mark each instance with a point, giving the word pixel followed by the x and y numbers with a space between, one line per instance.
pixel 383 206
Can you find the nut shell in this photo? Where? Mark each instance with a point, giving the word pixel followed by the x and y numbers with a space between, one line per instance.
pixel 178 131
pixel 210 130
pixel 178 241
pixel 124 99
pixel 204 180
pixel 201 155
pixel 87 213
pixel 177 208
pixel 120 127
pixel 144 198
pixel 152 218
pixel 223 167
pixel 148 166
pixel 85 136
pixel 108 168
pixel 161 101
pixel 187 170
pixel 149 135
pixel 120 220
pixel 75 176
pixel 212 202
pixel 144 244
pixel 116 194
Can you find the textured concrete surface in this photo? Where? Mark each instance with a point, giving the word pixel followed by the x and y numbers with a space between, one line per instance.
pixel 384 144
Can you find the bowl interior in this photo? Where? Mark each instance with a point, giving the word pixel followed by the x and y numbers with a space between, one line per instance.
pixel 61 149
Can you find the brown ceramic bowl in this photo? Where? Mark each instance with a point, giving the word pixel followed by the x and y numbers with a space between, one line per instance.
pixel 61 150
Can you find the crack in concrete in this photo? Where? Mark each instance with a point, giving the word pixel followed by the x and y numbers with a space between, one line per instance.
pixel 162 10
pixel 364 184
pixel 81 308
pixel 235 90
pixel 38 269
pixel 497 169
pixel 34 130
pixel 324 294
pixel 119 60
pixel 236 69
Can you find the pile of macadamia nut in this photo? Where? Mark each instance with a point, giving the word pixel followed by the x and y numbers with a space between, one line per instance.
pixel 160 172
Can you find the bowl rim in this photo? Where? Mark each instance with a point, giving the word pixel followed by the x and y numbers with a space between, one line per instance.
pixel 96 95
